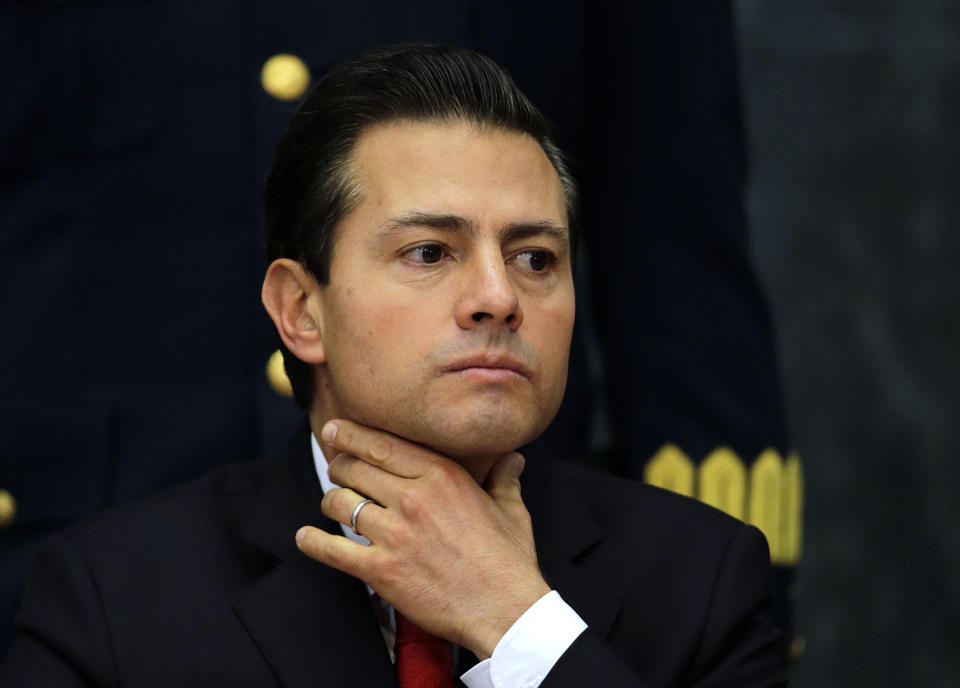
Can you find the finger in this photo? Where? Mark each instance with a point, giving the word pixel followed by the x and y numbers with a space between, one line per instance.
pixel 503 480
pixel 366 478
pixel 389 452
pixel 340 503
pixel 334 550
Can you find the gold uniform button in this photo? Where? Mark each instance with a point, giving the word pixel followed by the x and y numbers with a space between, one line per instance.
pixel 285 77
pixel 277 376
pixel 797 647
pixel 8 509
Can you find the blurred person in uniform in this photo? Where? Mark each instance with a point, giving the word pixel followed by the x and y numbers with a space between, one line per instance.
pixel 134 138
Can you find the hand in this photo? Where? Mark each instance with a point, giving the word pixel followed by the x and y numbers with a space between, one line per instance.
pixel 456 559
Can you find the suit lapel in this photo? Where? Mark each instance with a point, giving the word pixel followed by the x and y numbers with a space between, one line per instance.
pixel 313 624
pixel 568 536
pixel 315 627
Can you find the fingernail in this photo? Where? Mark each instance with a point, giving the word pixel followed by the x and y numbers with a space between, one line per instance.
pixel 300 535
pixel 520 462
pixel 329 432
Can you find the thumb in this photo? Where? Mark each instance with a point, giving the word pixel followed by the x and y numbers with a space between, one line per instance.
pixel 503 480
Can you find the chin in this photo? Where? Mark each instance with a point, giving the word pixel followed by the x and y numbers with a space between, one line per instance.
pixel 468 453
pixel 483 434
pixel 463 427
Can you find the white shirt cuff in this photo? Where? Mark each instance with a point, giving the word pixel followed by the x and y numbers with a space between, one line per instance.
pixel 530 647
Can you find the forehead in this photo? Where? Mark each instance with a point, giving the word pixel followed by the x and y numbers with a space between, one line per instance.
pixel 487 174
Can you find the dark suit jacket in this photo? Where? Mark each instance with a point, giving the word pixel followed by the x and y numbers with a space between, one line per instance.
pixel 203 586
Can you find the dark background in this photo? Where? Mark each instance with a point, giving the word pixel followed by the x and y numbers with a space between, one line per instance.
pixel 852 111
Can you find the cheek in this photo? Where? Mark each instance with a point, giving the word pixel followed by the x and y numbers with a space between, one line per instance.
pixel 378 364
pixel 551 337
pixel 371 341
pixel 555 329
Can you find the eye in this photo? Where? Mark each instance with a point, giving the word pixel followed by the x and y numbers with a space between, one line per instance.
pixel 426 253
pixel 536 260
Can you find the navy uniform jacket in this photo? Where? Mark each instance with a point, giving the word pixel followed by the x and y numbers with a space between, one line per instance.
pixel 203 586
pixel 134 137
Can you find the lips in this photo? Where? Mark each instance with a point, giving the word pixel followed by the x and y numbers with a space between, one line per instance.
pixel 490 362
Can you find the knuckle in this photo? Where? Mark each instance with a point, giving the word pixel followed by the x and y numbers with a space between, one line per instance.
pixel 391 533
pixel 381 449
pixel 333 552
pixel 517 511
pixel 447 472
pixel 336 500
pixel 341 468
pixel 316 546
pixel 360 470
pixel 350 559
pixel 327 549
pixel 410 503
pixel 385 572
pixel 402 535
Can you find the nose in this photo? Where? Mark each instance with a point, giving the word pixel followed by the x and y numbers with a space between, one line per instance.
pixel 488 295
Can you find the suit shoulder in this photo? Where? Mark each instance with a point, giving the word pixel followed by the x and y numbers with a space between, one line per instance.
pixel 612 498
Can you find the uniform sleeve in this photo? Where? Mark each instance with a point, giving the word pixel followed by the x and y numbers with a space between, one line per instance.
pixel 62 638
pixel 739 645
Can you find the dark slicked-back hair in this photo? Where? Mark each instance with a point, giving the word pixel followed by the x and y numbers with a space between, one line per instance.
pixel 312 186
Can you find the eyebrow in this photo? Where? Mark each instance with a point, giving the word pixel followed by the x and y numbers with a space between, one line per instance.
pixel 461 225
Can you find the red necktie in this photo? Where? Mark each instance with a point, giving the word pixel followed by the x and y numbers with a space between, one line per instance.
pixel 423 660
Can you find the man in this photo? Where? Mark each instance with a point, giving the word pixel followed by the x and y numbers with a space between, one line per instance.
pixel 419 223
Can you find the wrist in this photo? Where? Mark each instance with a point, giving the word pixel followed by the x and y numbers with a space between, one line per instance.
pixel 485 636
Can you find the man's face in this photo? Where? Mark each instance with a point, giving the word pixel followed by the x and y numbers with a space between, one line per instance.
pixel 450 305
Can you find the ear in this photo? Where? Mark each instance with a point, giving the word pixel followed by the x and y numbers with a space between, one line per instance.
pixel 292 299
